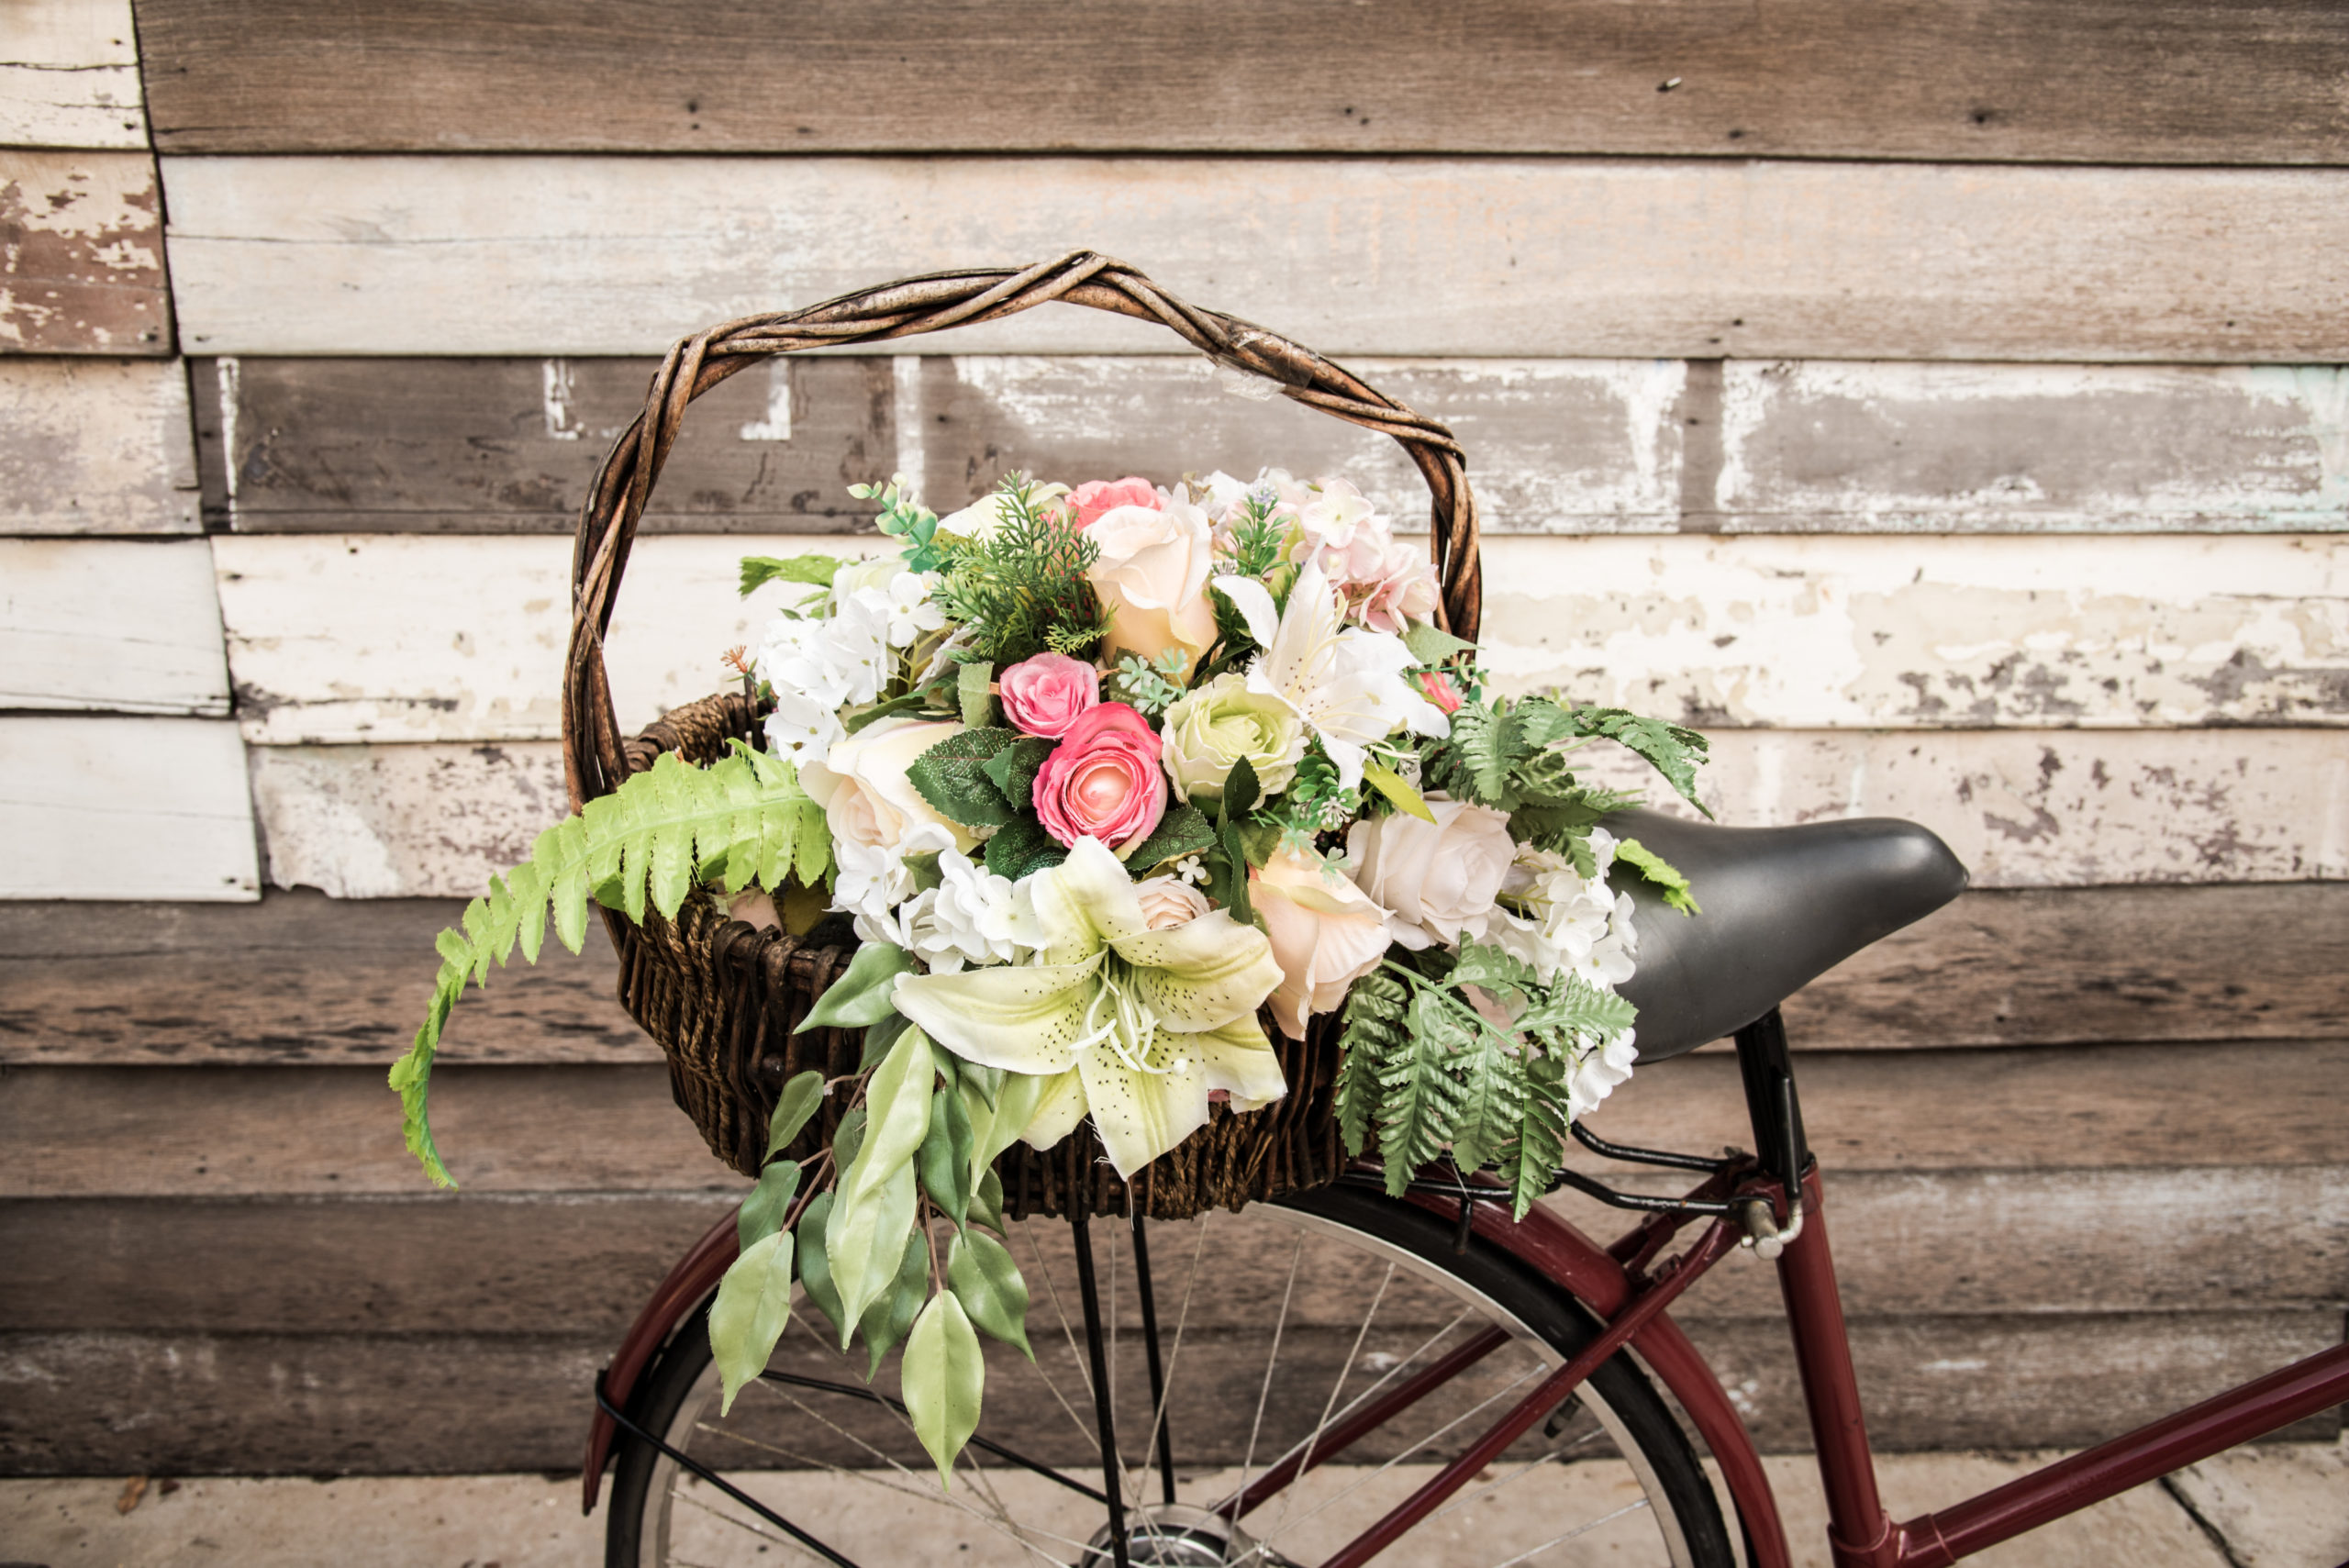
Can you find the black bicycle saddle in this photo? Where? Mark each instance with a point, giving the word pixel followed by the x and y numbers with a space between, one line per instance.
pixel 1782 905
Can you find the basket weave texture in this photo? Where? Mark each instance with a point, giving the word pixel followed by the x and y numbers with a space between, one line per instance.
pixel 723 998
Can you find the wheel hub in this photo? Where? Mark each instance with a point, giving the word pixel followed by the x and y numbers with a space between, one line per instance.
pixel 1172 1535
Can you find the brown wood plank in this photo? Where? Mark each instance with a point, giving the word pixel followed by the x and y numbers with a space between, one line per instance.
pixel 153 1131
pixel 1406 256
pixel 1952 1242
pixel 101 1403
pixel 511 446
pixel 2017 80
pixel 300 978
pixel 1556 446
pixel 82 254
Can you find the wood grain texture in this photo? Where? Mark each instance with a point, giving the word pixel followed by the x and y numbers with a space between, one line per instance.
pixel 499 446
pixel 69 76
pixel 91 1403
pixel 1556 446
pixel 303 979
pixel 349 637
pixel 108 806
pixel 90 446
pixel 2031 810
pixel 2016 81
pixel 118 625
pixel 319 1131
pixel 82 254
pixel 1502 257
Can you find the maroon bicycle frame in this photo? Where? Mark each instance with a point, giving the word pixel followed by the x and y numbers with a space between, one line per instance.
pixel 1626 1291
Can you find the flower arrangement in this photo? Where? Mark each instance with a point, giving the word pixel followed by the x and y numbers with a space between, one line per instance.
pixel 1109 781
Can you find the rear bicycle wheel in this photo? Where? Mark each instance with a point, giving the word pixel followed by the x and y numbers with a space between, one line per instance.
pixel 1319 1360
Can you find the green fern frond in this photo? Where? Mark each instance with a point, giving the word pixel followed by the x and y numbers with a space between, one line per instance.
pixel 648 842
pixel 1422 1102
pixel 1371 1031
pixel 1533 1156
pixel 1493 1100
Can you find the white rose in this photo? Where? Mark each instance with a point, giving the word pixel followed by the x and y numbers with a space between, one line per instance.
pixel 862 787
pixel 1168 902
pixel 1152 578
pixel 1438 878
pixel 983 517
pixel 872 571
pixel 1326 934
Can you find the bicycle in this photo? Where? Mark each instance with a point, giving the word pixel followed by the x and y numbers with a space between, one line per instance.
pixel 1480 1344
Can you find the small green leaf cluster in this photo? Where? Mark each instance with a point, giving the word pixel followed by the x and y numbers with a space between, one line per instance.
pixel 1425 1070
pixel 902 515
pixel 1315 802
pixel 917 1146
pixel 1022 589
pixel 1147 688
pixel 743 819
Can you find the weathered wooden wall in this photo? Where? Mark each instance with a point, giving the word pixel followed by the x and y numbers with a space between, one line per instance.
pixel 1944 408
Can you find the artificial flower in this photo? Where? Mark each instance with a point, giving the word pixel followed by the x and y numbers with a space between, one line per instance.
pixel 1095 496
pixel 1043 695
pixel 1212 727
pixel 1103 780
pixel 873 883
pixel 1346 683
pixel 983 517
pixel 1326 933
pixel 1440 691
pixel 1561 922
pixel 1438 878
pixel 971 917
pixel 1169 901
pixel 862 784
pixel 1133 1026
pixel 1151 577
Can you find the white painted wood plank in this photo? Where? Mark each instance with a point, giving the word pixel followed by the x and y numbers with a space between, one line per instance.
pixel 90 446
pixel 124 625
pixel 69 76
pixel 1511 257
pixel 340 638
pixel 2011 448
pixel 121 807
pixel 2053 810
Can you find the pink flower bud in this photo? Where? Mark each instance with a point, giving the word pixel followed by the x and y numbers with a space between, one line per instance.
pixel 1440 690
pixel 1046 694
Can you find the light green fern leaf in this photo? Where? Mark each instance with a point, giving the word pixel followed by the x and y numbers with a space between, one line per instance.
pixel 645 844
pixel 1371 1031
pixel 1531 1158
pixel 1421 1104
pixel 1493 1100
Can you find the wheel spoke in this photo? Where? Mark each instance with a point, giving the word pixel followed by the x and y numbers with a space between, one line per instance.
pixel 1304 1463
pixel 1265 1392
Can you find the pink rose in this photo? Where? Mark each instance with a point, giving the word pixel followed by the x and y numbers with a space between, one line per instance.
pixel 1045 695
pixel 1095 496
pixel 1440 690
pixel 1103 780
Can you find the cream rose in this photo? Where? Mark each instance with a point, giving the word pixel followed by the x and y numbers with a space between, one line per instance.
pixel 1327 933
pixel 1168 902
pixel 1152 578
pixel 862 787
pixel 1209 729
pixel 983 517
pixel 1438 878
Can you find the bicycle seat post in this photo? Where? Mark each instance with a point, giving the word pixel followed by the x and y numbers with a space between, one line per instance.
pixel 1776 1114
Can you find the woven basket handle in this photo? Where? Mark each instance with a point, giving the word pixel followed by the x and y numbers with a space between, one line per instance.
pixel 594 762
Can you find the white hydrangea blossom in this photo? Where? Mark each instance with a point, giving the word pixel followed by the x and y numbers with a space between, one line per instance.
pixel 872 883
pixel 817 664
pixel 973 917
pixel 1565 924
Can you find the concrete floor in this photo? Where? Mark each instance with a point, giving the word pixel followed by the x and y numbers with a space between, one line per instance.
pixel 2283 1506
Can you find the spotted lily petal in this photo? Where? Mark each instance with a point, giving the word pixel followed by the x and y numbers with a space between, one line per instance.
pixel 1203 975
pixel 1086 903
pixel 1057 1112
pixel 1239 1060
pixel 1023 1019
pixel 1142 1111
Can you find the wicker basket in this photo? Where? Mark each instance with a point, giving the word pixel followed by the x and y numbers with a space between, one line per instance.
pixel 723 998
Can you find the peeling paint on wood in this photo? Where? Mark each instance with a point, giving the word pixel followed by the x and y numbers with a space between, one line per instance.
pixel 69 76
pixel 96 807
pixel 81 255
pixel 2012 448
pixel 2055 808
pixel 512 446
pixel 111 625
pixel 376 637
pixel 1484 257
pixel 90 446
pixel 1828 632
pixel 2065 808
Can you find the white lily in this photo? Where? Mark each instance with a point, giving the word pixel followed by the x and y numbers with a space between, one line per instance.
pixel 1346 683
pixel 1136 1026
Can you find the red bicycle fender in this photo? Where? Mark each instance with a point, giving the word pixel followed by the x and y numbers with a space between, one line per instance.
pixel 1565 1254
pixel 694 1278
pixel 1549 1242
